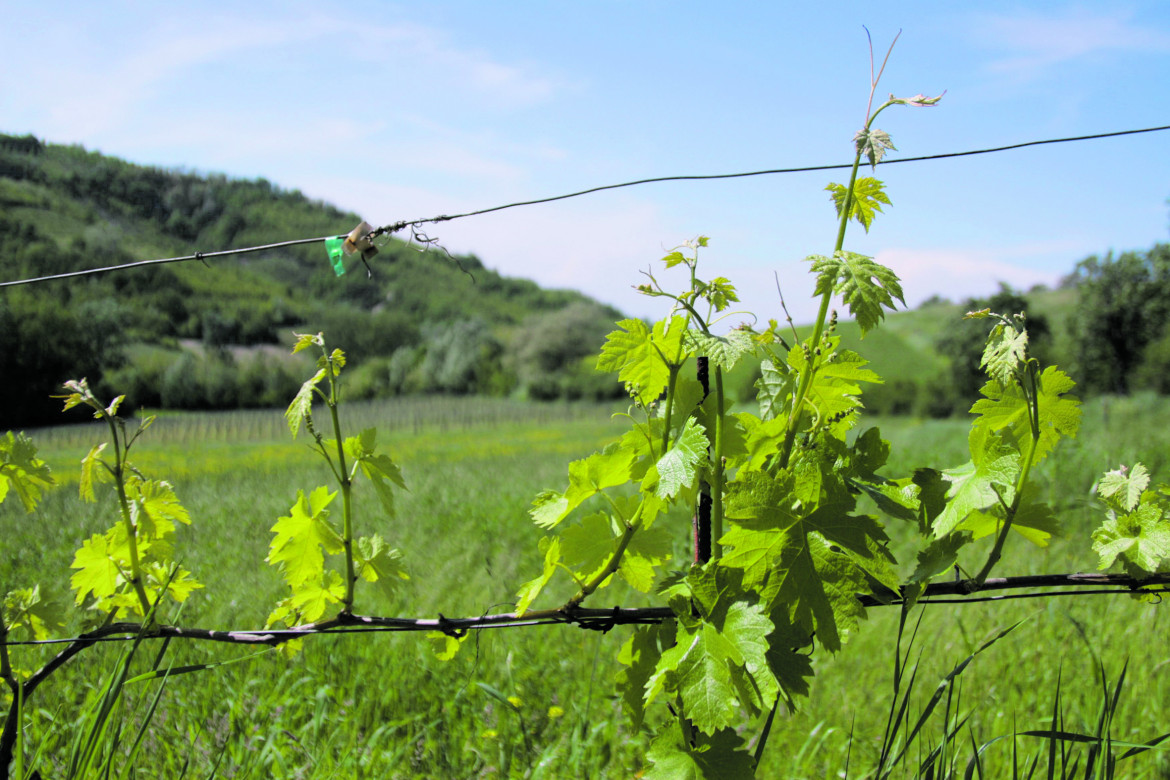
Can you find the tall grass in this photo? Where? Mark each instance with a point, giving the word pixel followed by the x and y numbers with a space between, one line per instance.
pixel 538 702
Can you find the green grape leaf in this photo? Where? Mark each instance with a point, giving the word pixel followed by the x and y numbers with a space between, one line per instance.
pixel 1035 522
pixel 154 508
pixel 792 668
pixel 756 542
pixel 720 757
pixel 377 562
pixel 701 674
pixel 93 471
pixel 873 144
pixel 640 655
pixel 281 613
pixel 795 560
pixel 379 469
pixel 306 340
pixel 747 627
pixel 1141 536
pixel 835 391
pixel 1005 353
pixel 179 586
pixel 118 544
pixel 587 548
pixel 722 351
pixel 549 508
pixel 647 550
pixel 445 645
pixel 551 547
pixel 761 439
pixel 928 490
pixel 312 598
pixel 608 468
pixel 983 481
pixel 719 661
pixel 688 396
pixel 896 498
pixel 776 386
pixel 868 197
pixel 679 467
pixel 22 470
pixel 870 451
pixel 97 572
pixel 302 403
pixel 865 286
pixel 640 354
pixel 1124 487
pixel 719 291
pixel 938 556
pixel 27 608
pixel 820 587
pixel 1006 408
pixel 587 477
pixel 296 548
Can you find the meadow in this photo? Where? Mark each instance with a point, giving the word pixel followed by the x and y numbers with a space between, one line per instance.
pixel 539 702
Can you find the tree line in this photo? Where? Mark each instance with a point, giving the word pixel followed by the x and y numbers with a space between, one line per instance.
pixel 1114 336
pixel 191 336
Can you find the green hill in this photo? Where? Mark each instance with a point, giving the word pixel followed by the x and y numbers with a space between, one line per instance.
pixel 203 335
pixel 215 334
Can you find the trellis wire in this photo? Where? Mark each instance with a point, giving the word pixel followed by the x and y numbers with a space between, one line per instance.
pixel 398 226
pixel 967 591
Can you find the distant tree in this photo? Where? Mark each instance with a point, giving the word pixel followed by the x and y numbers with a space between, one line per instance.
pixel 1123 305
pixel 962 343
pixel 44 343
pixel 461 357
pixel 550 346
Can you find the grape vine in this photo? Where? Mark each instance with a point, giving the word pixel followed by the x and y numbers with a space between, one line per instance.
pixel 787 556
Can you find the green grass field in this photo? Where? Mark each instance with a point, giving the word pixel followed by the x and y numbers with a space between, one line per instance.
pixel 538 702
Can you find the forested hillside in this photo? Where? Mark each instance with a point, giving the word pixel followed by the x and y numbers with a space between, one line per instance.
pixel 213 335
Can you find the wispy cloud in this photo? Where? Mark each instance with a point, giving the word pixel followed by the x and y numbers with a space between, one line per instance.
pixel 1034 43
pixel 965 273
pixel 98 83
pixel 450 66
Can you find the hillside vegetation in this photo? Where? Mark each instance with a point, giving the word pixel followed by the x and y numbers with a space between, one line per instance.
pixel 214 335
pixel 171 335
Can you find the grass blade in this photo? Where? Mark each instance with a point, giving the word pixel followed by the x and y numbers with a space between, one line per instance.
pixel 945 684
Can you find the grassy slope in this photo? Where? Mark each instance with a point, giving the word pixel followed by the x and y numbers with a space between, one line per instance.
pixel 432 285
pixel 904 346
pixel 384 706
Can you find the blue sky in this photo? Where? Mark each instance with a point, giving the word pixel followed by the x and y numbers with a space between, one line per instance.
pixel 402 111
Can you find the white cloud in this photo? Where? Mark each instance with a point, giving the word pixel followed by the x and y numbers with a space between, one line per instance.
pixel 428 60
pixel 97 85
pixel 1035 42
pixel 963 273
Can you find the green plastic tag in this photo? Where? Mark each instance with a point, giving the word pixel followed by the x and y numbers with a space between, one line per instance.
pixel 336 254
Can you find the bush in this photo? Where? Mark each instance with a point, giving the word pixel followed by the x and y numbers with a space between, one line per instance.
pixel 549 348
pixel 1123 305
